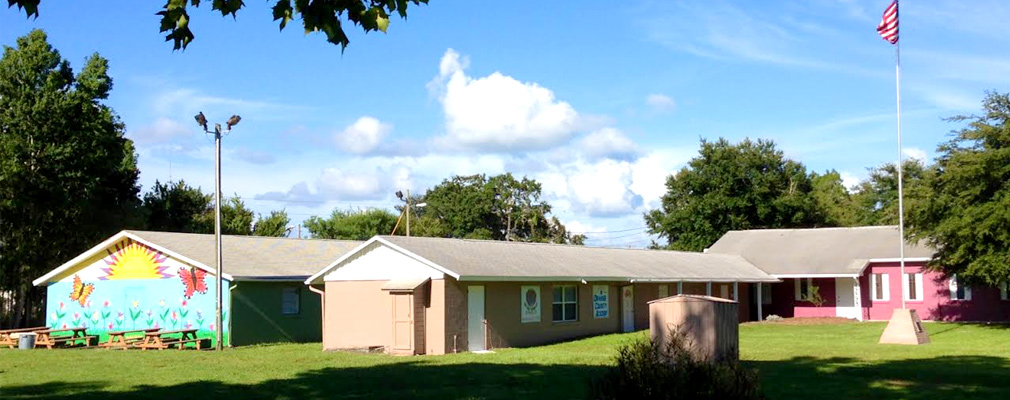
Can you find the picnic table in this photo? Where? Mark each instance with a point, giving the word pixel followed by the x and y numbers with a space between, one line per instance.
pixel 9 340
pixel 163 339
pixel 67 336
pixel 119 340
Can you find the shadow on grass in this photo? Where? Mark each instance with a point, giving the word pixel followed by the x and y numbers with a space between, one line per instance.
pixel 797 378
pixel 406 380
pixel 976 377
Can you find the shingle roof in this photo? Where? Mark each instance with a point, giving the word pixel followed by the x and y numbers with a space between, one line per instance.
pixel 254 257
pixel 504 260
pixel 840 251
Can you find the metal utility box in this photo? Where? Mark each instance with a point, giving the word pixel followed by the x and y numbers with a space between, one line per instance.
pixel 710 325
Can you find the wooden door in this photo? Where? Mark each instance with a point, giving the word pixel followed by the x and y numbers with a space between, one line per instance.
pixel 403 323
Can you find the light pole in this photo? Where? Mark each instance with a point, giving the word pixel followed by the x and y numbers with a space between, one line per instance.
pixel 399 194
pixel 202 121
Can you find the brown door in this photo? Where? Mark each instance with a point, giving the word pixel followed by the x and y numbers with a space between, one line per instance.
pixel 403 323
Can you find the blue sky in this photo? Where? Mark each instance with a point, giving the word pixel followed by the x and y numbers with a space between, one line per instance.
pixel 598 102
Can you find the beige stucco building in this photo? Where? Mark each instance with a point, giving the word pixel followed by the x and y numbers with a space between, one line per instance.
pixel 413 295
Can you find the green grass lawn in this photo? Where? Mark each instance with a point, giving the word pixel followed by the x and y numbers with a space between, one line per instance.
pixel 794 361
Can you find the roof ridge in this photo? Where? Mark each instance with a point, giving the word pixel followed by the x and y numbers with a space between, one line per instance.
pixel 575 246
pixel 823 228
pixel 243 236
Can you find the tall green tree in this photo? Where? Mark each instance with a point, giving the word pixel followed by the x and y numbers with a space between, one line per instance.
pixel 352 225
pixel 176 207
pixel 499 207
pixel 68 176
pixel 876 198
pixel 275 224
pixel 963 207
pixel 834 199
pixel 327 16
pixel 749 185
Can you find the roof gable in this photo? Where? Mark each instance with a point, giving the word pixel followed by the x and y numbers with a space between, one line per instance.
pixel 123 256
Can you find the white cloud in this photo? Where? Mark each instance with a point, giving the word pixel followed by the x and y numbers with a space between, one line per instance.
pixel 660 102
pixel 608 143
pixel 498 112
pixel 363 136
pixel 162 131
pixel 912 152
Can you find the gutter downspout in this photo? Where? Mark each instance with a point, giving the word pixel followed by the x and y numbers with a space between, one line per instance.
pixel 322 307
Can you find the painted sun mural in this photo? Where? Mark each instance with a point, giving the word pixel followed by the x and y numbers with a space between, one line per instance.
pixel 133 260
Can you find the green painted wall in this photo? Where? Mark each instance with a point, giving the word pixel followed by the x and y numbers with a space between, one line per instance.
pixel 257 316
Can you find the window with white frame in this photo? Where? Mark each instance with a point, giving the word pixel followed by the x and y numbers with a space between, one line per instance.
pixel 880 290
pixel 958 290
pixel 565 306
pixel 290 300
pixel 913 287
pixel 803 288
pixel 766 293
pixel 1004 288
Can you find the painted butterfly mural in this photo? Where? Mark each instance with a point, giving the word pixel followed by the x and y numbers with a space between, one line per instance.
pixel 81 291
pixel 192 280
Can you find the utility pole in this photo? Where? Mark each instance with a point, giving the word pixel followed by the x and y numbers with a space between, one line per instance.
pixel 218 268
pixel 408 212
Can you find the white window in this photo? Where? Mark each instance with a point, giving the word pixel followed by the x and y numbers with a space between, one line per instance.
pixel 880 287
pixel 290 300
pixel 565 305
pixel 1003 291
pixel 766 293
pixel 803 288
pixel 912 285
pixel 958 290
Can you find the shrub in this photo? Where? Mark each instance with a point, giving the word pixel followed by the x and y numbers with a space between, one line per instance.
pixel 648 370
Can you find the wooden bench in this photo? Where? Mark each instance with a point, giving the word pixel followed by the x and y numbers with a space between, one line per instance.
pixel 9 340
pixel 119 340
pixel 164 339
pixel 50 338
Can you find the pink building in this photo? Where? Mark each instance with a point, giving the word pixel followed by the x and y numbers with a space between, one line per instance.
pixel 857 275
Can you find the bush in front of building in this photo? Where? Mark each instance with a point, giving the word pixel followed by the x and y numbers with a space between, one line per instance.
pixel 648 370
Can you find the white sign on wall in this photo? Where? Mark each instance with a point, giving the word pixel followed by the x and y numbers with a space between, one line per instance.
pixel 601 301
pixel 530 298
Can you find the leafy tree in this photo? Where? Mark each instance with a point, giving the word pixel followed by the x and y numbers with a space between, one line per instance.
pixel 68 176
pixel 177 207
pixel 352 225
pixel 498 208
pixel 276 224
pixel 876 198
pixel 749 185
pixel 833 198
pixel 962 208
pixel 325 16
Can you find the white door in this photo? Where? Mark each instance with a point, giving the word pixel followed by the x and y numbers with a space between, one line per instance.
pixel 475 318
pixel 845 298
pixel 628 309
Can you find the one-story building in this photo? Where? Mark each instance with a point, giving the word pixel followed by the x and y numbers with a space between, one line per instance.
pixel 416 295
pixel 857 274
pixel 142 279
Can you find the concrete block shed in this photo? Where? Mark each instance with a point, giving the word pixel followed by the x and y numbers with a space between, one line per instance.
pixel 709 324
pixel 144 279
pixel 419 295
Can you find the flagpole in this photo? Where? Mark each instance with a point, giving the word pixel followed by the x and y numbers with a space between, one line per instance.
pixel 901 203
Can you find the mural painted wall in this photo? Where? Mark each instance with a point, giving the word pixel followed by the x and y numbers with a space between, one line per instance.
pixel 133 286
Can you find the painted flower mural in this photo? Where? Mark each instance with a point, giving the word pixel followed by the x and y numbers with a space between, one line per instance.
pixel 133 260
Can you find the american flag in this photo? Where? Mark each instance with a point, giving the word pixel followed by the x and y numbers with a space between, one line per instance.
pixel 888 27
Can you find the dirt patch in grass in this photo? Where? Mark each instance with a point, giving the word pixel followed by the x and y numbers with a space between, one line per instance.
pixel 810 321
